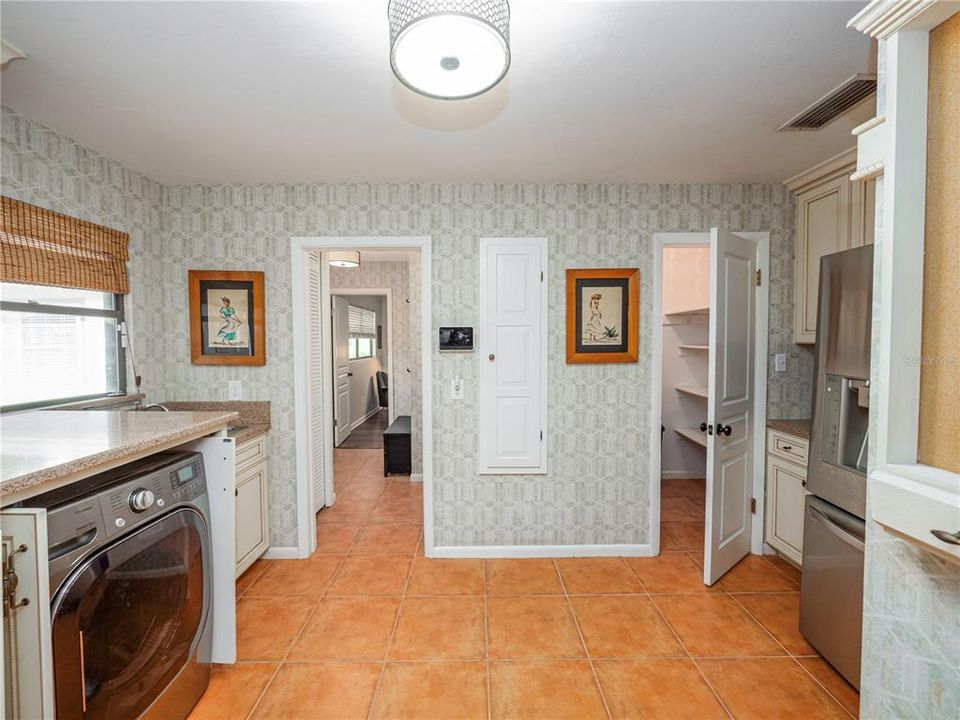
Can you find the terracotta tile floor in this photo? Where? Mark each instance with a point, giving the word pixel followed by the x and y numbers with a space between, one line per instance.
pixel 368 628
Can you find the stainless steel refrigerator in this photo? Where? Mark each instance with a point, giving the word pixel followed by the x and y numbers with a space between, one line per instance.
pixel 831 591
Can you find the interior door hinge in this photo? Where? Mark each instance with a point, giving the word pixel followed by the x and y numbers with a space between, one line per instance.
pixel 753 506
pixel 541 276
pixel 758 277
pixel 541 436
pixel 334 422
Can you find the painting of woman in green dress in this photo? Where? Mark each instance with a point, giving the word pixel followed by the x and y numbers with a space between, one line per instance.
pixel 231 320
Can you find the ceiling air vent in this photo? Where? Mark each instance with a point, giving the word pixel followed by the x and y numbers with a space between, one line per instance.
pixel 833 104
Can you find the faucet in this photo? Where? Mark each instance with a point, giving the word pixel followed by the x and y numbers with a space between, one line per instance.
pixel 155 406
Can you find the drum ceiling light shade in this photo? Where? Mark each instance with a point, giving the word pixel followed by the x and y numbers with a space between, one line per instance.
pixel 344 258
pixel 449 49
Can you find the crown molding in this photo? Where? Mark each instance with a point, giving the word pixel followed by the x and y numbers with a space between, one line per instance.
pixel 882 18
pixel 842 163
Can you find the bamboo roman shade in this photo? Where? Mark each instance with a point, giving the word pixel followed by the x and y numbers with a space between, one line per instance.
pixel 41 247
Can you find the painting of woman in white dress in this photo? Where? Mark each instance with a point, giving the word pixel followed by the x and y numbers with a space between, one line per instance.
pixel 603 315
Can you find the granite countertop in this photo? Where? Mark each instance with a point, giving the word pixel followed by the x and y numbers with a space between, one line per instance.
pixel 49 448
pixel 797 428
pixel 254 415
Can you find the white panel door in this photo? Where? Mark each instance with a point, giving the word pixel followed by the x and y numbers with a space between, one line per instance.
pixel 730 402
pixel 341 369
pixel 512 346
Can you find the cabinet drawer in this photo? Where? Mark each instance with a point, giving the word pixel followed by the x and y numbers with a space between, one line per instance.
pixel 250 452
pixel 787 447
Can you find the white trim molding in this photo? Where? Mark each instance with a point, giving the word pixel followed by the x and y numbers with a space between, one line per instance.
pixel 821 170
pixel 281 553
pixel 871 144
pixel 542 551
pixel 905 497
pixel 882 19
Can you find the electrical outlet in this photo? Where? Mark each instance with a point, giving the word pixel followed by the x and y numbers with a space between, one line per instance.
pixel 456 389
pixel 781 362
pixel 235 390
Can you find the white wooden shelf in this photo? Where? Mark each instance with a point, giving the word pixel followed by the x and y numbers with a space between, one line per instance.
pixel 695 390
pixel 688 313
pixel 693 435
pixel 694 348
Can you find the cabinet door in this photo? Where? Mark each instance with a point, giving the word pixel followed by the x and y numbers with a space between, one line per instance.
pixel 785 508
pixel 823 227
pixel 251 515
pixel 27 648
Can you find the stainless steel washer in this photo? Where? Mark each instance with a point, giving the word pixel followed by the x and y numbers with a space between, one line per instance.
pixel 130 582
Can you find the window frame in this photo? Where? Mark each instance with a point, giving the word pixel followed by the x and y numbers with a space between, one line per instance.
pixel 117 314
pixel 354 338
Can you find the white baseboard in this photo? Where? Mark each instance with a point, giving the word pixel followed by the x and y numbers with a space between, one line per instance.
pixel 677 475
pixel 281 553
pixel 416 477
pixel 357 423
pixel 541 551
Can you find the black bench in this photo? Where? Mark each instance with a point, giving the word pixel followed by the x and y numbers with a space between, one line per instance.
pixel 396 447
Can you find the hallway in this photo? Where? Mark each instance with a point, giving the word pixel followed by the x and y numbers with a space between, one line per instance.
pixel 369 434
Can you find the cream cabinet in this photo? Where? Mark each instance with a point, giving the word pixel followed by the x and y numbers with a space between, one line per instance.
pixel 786 481
pixel 27 647
pixel 252 537
pixel 833 214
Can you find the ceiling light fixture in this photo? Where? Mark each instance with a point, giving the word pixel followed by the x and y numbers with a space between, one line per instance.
pixel 345 258
pixel 449 49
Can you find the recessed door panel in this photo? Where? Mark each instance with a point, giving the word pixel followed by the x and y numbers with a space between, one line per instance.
pixel 514 366
pixel 512 286
pixel 737 331
pixel 513 433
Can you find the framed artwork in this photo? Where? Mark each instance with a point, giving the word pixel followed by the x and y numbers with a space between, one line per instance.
pixel 603 315
pixel 226 318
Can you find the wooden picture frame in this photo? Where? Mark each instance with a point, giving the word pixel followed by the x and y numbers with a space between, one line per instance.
pixel 226 318
pixel 603 315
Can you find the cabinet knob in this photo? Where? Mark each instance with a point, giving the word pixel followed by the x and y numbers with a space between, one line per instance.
pixel 788 447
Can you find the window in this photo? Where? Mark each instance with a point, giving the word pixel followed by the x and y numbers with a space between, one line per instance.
pixel 363 332
pixel 59 344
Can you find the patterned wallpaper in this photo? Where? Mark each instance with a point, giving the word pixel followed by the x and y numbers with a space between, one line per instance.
pixel 911 604
pixel 597 486
pixel 401 278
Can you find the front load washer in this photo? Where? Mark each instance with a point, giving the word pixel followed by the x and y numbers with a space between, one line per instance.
pixel 130 583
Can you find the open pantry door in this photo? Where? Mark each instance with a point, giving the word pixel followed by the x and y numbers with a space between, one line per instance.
pixel 730 403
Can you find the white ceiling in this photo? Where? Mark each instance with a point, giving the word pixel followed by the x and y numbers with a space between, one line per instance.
pixel 282 91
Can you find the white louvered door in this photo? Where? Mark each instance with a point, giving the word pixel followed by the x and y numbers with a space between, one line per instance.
pixel 315 378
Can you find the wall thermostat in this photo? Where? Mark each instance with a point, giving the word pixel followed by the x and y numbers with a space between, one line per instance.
pixel 456 339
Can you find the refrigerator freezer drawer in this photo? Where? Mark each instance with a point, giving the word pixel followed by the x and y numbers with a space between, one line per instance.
pixel 831 589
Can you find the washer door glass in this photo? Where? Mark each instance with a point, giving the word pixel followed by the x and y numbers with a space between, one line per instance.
pixel 128 619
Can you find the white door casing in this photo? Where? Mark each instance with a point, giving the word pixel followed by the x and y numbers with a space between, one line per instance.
pixel 731 402
pixel 513 355
pixel 341 369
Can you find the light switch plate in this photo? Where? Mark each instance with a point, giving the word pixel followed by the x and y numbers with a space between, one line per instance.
pixel 456 389
pixel 781 362
pixel 235 390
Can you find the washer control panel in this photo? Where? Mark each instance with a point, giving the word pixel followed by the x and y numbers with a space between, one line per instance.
pixel 143 497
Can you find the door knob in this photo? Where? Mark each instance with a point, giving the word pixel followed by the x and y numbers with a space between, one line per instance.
pixel 704 428
pixel 492 357
pixel 349 374
pixel 947 537
pixel 724 429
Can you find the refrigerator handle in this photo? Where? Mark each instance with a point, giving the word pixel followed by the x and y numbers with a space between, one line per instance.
pixel 827 523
